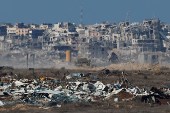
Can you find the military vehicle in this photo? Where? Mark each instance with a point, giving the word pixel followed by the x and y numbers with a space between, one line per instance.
pixel 84 62
pixel 114 58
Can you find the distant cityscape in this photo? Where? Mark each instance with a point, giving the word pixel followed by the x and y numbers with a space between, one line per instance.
pixel 45 45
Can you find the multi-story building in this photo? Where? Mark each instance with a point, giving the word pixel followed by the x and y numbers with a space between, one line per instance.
pixel 3 30
pixel 93 50
pixel 34 33
pixel 33 26
pixel 22 31
pixel 11 31
pixel 95 33
pixel 19 25
pixel 45 26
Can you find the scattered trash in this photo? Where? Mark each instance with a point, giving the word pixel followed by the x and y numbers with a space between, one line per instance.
pixel 9 73
pixel 58 106
pixel 48 91
pixel 105 71
pixel 1 103
pixel 115 99
pixel 94 77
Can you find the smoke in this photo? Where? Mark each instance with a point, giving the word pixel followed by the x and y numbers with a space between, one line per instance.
pixel 42 60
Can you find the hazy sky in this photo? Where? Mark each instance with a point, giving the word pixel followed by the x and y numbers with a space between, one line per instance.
pixel 94 11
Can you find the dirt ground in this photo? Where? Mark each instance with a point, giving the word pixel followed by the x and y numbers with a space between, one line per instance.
pixel 150 77
pixel 134 106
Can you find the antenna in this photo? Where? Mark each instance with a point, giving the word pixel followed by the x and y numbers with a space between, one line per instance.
pixel 81 14
pixel 128 16
pixel 153 16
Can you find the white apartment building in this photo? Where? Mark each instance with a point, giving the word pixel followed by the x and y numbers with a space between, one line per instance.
pixel 11 30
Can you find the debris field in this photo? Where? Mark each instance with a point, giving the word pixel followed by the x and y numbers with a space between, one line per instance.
pixel 61 87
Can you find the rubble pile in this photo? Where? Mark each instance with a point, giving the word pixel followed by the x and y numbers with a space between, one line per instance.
pixel 47 91
pixel 158 68
pixel 129 66
pixel 134 66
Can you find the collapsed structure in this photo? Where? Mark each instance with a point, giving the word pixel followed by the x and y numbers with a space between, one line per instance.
pixel 46 44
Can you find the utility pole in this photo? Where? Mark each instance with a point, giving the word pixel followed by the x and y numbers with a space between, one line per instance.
pixel 33 59
pixel 27 60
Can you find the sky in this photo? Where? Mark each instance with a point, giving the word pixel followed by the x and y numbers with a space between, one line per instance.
pixel 94 11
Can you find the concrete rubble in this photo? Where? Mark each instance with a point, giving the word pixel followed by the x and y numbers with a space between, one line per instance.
pixel 47 91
